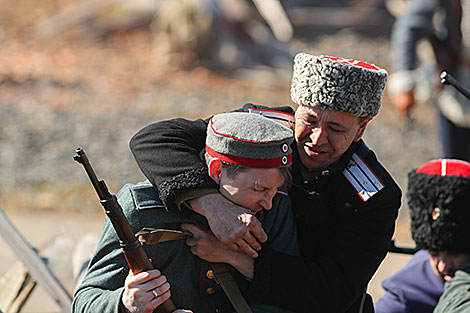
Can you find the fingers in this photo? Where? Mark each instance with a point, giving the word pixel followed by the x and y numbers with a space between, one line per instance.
pixel 145 291
pixel 247 249
pixel 160 294
pixel 193 229
pixel 247 242
pixel 257 231
pixel 145 281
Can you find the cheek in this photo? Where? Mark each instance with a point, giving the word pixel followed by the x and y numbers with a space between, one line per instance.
pixel 341 142
pixel 228 190
pixel 300 131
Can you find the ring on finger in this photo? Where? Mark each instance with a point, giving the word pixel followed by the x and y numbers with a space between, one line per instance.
pixel 155 293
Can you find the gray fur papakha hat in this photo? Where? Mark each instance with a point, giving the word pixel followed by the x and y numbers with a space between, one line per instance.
pixel 338 84
pixel 249 140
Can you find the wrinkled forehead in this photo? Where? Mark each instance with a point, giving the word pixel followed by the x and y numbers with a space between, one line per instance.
pixel 337 117
pixel 255 177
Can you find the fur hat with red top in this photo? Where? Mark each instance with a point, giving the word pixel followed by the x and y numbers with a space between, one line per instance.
pixel 439 202
pixel 338 84
pixel 249 140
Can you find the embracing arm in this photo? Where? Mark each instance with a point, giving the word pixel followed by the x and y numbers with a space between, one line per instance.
pixel 167 152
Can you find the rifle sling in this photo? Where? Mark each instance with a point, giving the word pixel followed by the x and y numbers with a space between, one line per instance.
pixel 221 272
pixel 230 288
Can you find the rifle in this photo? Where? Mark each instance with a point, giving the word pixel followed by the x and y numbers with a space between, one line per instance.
pixel 447 79
pixel 133 250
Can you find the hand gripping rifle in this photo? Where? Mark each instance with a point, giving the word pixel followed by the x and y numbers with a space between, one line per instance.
pixel 133 250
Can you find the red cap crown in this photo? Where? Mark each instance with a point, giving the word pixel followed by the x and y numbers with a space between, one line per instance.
pixel 352 62
pixel 445 167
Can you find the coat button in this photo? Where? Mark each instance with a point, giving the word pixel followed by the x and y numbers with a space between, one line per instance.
pixel 210 290
pixel 210 274
pixel 218 311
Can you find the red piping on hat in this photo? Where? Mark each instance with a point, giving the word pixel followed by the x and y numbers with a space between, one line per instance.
pixel 239 139
pixel 274 162
pixel 352 62
pixel 445 167
pixel 280 112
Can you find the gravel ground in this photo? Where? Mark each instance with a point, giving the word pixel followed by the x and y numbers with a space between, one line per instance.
pixel 47 110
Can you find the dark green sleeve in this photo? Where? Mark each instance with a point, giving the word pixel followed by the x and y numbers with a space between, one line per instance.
pixel 456 295
pixel 102 286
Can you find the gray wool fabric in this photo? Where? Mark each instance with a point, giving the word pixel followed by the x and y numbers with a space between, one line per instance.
pixel 338 84
pixel 248 135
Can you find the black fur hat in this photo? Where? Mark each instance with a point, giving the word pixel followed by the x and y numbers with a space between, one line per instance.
pixel 439 202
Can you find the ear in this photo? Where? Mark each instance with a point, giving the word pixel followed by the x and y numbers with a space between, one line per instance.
pixel 361 129
pixel 215 169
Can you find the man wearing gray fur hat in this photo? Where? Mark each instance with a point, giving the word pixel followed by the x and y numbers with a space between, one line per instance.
pixel 248 157
pixel 344 201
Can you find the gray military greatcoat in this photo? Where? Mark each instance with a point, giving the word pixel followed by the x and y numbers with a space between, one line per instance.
pixel 192 281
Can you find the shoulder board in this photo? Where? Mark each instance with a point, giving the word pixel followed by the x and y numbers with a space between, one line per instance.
pixel 361 177
pixel 146 197
pixel 283 118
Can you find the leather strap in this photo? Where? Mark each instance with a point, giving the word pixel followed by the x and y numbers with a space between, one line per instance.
pixel 221 272
pixel 230 288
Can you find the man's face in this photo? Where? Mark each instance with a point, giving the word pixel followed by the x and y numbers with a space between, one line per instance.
pixel 445 263
pixel 322 136
pixel 252 188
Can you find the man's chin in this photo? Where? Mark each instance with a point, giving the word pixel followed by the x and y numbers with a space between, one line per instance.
pixel 314 163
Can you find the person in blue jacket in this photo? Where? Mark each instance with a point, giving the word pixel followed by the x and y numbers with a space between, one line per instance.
pixel 438 197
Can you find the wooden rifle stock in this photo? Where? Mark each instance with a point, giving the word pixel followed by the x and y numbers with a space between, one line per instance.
pixel 133 250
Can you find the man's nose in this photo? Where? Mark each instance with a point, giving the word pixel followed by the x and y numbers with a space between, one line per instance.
pixel 267 202
pixel 318 135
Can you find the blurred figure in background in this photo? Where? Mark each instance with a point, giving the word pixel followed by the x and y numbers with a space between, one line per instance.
pixel 438 198
pixel 221 34
pixel 445 24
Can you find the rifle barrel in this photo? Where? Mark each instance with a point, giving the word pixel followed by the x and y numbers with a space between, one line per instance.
pixel 447 79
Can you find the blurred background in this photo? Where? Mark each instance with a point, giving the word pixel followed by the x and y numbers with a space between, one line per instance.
pixel 92 73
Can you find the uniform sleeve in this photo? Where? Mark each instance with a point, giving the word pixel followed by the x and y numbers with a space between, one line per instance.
pixel 456 296
pixel 167 153
pixel 393 301
pixel 102 286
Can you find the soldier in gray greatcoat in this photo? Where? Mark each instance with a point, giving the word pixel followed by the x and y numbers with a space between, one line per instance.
pixel 249 157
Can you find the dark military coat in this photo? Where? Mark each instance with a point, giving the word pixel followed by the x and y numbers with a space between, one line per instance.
pixel 192 281
pixel 344 226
